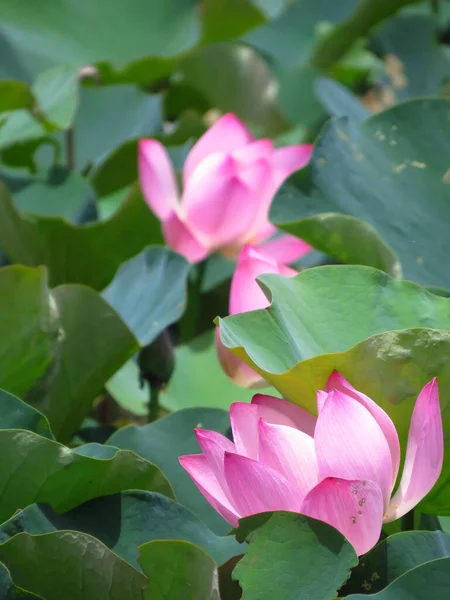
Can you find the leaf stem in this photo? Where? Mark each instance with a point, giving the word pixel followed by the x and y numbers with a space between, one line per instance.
pixel 155 388
pixel 368 14
pixel 70 150
pixel 190 321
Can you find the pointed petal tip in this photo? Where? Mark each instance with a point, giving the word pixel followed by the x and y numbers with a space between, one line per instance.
pixel 199 433
pixel 424 453
pixel 229 116
pixel 187 460
pixel 146 142
pixel 334 379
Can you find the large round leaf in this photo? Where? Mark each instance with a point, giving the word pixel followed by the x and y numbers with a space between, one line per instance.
pixel 395 556
pixel 8 590
pixel 149 292
pixel 291 556
pixel 15 95
pixel 177 570
pixel 59 31
pixel 320 320
pixel 329 309
pixel 290 38
pixel 88 254
pixel 410 43
pixel 125 521
pixel 392 171
pixel 15 414
pixel 245 86
pixel 344 237
pixel 54 192
pixel 50 102
pixel 164 441
pixel 225 20
pixel 430 580
pixel 109 116
pixel 69 564
pixel 94 344
pixel 29 326
pixel 36 469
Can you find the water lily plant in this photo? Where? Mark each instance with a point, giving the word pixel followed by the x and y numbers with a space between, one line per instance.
pixel 229 181
pixel 340 467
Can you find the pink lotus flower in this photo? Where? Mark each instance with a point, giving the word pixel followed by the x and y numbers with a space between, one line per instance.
pixel 339 467
pixel 229 181
pixel 246 295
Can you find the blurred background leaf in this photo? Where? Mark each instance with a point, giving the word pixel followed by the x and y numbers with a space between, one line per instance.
pixel 164 441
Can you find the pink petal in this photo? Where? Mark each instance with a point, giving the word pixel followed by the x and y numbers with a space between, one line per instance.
pixel 256 488
pixel 355 508
pixel 321 396
pixel 237 370
pixel 220 200
pixel 286 248
pixel 245 293
pixel 289 159
pixel 424 453
pixel 227 134
pixel 157 178
pixel 203 476
pixel 350 444
pixel 337 382
pixel 214 445
pixel 179 237
pixel 281 412
pixel 244 425
pixel 276 411
pixel 254 151
pixel 283 163
pixel 291 453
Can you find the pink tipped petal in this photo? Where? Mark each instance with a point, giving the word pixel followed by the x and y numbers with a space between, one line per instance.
pixel 245 293
pixel 283 163
pixel 214 445
pixel 281 412
pixel 203 476
pixel 276 411
pixel 157 178
pixel 337 382
pixel 291 453
pixel 424 453
pixel 254 151
pixel 244 425
pixel 321 396
pixel 350 444
pixel 226 135
pixel 285 248
pixel 355 508
pixel 237 371
pixel 180 238
pixel 289 159
pixel 256 488
pixel 220 200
